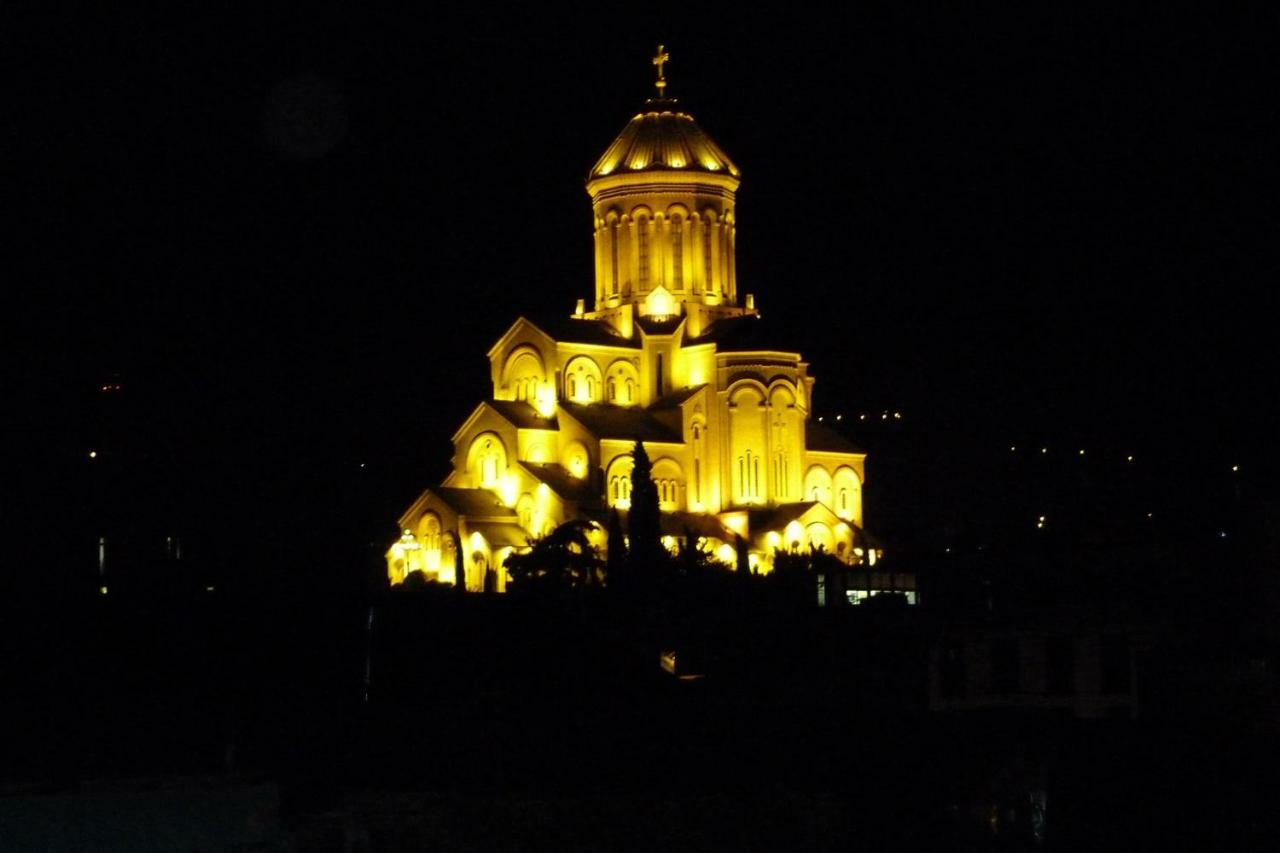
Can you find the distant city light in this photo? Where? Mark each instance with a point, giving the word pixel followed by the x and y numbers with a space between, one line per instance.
pixel 839 417
pixel 1013 448
pixel 897 416
pixel 884 416
pixel 1082 451
pixel 1235 467
pixel 1149 515
pixel 862 417
pixel 948 549
pixel 819 419
pixel 208 589
pixel 1129 459
pixel 93 454
pixel 102 590
pixel 1042 518
pixel 1222 534
pixel 1044 450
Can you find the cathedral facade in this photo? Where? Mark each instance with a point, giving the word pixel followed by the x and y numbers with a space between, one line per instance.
pixel 668 353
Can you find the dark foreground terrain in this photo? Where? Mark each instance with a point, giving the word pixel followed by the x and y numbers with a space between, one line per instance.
pixel 428 721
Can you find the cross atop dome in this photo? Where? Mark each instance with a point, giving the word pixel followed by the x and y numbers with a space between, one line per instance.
pixel 660 59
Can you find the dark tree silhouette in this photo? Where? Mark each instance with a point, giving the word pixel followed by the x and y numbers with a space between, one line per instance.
pixel 616 550
pixel 414 581
pixel 560 560
pixel 643 521
pixel 460 563
pixel 743 557
pixel 692 560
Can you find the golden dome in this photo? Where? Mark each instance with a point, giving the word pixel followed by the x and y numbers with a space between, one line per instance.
pixel 662 138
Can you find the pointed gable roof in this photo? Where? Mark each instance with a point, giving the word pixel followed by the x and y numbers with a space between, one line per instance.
pixel 521 414
pixel 560 481
pixel 605 421
pixel 823 438
pixel 573 330
pixel 473 503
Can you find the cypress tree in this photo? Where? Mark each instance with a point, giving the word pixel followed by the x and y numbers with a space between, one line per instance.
pixel 460 563
pixel 616 550
pixel 743 557
pixel 643 520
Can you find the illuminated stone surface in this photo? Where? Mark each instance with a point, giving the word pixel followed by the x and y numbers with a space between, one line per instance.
pixel 671 355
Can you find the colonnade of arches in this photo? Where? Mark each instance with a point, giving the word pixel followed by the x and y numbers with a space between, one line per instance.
pixel 432 552
pixel 585 382
pixel 436 556
pixel 691 254
pixel 668 480
pixel 582 380
pixel 839 539
pixel 840 490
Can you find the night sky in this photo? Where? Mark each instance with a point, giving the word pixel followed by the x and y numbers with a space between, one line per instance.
pixel 292 238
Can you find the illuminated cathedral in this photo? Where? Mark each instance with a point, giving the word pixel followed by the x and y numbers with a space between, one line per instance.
pixel 668 353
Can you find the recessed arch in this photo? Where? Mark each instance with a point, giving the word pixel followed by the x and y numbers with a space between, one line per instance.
pixel 748 390
pixel 643 231
pixel 478 561
pixel 523 372
pixel 430 536
pixel 618 481
pixel 622 383
pixel 846 487
pixel 748 467
pixel 583 382
pixel 819 536
pixel 487 460
pixel 576 459
pixel 784 439
pixel 668 480
pixel 817 485
pixel 782 393
pixel 524 511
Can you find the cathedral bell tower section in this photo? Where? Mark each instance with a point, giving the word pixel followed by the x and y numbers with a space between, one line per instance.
pixel 663 198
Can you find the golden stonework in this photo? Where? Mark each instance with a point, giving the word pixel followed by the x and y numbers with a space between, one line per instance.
pixel 666 350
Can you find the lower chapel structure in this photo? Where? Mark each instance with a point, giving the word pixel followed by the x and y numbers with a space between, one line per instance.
pixel 669 355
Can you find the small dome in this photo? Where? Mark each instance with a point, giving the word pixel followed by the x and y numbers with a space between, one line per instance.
pixel 662 138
